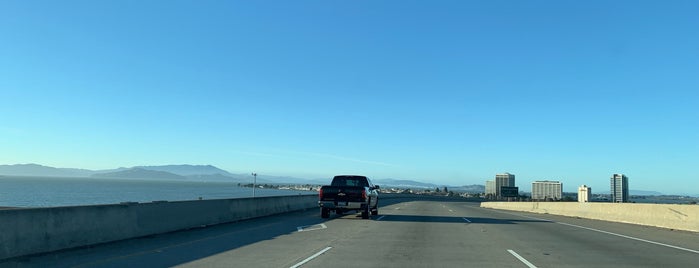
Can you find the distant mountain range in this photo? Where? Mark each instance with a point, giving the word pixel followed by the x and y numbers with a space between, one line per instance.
pixel 188 170
pixel 640 192
pixel 43 171
pixel 164 172
pixel 139 173
pixel 197 173
pixel 403 184
pixel 212 173
pixel 167 172
pixel 416 185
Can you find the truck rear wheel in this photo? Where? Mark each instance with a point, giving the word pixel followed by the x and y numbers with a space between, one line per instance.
pixel 324 213
pixel 366 211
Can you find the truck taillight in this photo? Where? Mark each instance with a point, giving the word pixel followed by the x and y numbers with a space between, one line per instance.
pixel 364 194
pixel 320 193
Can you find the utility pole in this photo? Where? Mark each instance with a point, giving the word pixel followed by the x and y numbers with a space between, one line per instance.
pixel 254 175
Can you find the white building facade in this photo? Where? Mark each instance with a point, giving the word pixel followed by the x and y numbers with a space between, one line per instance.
pixel 547 190
pixel 584 194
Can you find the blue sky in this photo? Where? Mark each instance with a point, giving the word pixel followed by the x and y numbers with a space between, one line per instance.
pixel 449 92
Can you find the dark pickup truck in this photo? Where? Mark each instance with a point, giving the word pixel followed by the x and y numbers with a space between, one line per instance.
pixel 349 192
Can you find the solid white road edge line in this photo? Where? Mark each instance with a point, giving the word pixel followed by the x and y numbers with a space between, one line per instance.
pixel 520 258
pixel 605 232
pixel 630 237
pixel 311 257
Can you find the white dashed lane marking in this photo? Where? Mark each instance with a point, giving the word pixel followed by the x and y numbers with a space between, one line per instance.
pixel 523 260
pixel 311 257
pixel 311 227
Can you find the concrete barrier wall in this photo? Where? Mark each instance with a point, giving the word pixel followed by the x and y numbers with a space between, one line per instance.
pixel 38 230
pixel 679 217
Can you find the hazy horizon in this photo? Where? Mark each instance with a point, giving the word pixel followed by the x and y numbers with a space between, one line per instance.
pixel 448 92
pixel 524 186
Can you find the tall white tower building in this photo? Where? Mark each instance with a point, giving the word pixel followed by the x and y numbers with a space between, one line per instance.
pixel 619 185
pixel 584 194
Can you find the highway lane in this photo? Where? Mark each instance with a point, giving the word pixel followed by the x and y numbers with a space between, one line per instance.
pixel 571 242
pixel 413 233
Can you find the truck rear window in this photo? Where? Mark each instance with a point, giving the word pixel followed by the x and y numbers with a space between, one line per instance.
pixel 349 181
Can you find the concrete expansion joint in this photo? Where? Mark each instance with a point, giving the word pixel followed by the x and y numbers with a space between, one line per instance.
pixel 684 216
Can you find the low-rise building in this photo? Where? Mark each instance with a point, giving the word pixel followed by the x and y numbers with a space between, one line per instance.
pixel 547 190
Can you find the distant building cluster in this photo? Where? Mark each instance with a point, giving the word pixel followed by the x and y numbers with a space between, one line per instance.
pixel 503 186
pixel 544 190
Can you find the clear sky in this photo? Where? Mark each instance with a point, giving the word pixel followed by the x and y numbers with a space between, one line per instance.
pixel 448 92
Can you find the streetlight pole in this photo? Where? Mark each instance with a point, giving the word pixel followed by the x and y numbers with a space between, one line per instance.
pixel 254 175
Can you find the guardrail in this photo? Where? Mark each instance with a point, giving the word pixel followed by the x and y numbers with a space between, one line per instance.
pixel 38 230
pixel 671 216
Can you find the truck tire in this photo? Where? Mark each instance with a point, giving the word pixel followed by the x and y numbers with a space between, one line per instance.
pixel 324 213
pixel 365 211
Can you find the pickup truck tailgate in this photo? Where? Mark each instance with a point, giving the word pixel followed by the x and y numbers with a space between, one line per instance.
pixel 342 194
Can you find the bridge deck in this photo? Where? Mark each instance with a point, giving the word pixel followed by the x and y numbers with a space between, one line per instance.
pixel 406 233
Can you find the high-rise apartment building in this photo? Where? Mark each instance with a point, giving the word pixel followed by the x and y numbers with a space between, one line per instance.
pixel 490 189
pixel 547 190
pixel 619 185
pixel 505 179
pixel 584 194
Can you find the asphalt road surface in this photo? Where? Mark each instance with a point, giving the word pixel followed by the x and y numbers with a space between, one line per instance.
pixel 406 233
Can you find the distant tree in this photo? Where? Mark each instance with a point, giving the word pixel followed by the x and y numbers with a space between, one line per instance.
pixel 445 189
pixel 436 190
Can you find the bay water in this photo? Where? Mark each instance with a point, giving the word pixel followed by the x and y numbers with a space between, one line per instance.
pixel 18 191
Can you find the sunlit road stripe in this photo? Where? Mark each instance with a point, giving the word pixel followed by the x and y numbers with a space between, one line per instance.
pixel 523 260
pixel 311 257
pixel 605 232
pixel 381 218
pixel 467 220
pixel 630 237
pixel 314 227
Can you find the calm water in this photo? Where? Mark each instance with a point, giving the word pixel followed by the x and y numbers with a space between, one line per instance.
pixel 50 192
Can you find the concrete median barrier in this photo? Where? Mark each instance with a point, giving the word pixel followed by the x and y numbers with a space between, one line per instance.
pixel 39 230
pixel 672 216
